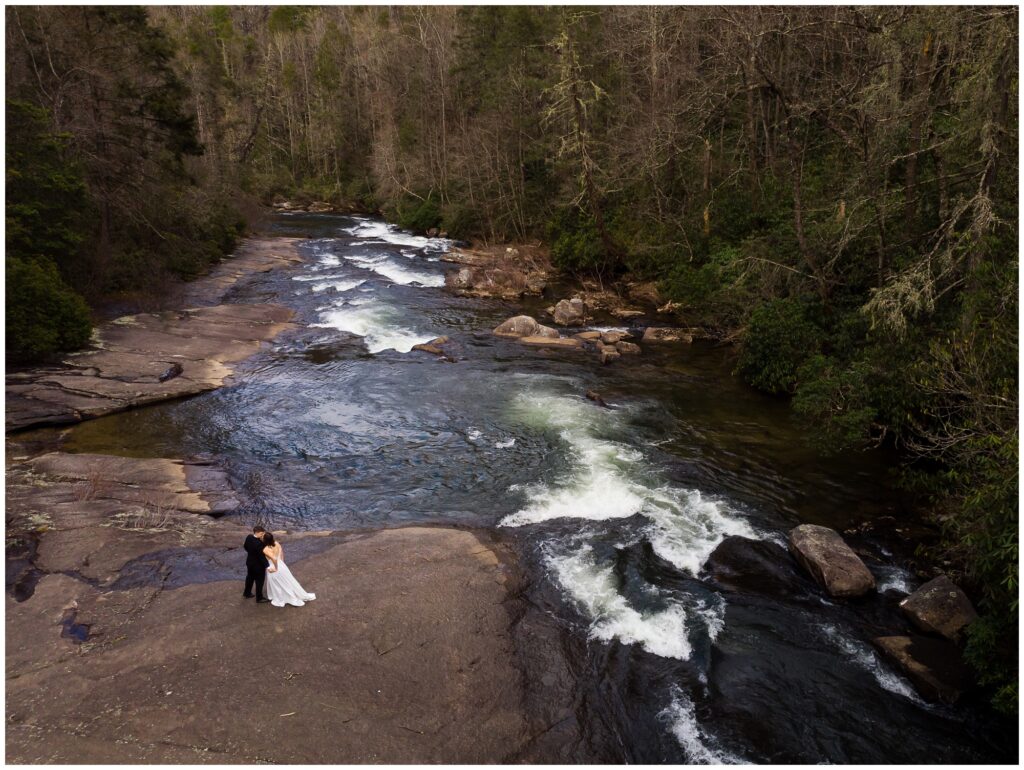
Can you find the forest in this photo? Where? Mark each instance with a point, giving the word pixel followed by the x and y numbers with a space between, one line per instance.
pixel 834 189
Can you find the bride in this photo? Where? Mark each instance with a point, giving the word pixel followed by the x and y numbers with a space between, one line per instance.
pixel 282 587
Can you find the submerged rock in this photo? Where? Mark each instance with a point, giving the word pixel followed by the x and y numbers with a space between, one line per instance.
pixel 933 666
pixel 940 607
pixel 826 556
pixel 594 396
pixel 569 312
pixel 517 326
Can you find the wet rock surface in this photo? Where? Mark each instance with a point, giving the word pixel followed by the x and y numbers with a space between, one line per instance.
pixel 827 557
pixel 407 655
pixel 755 566
pixel 932 665
pixel 940 607
pixel 130 362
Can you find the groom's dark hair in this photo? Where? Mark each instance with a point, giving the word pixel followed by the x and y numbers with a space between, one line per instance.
pixel 258 528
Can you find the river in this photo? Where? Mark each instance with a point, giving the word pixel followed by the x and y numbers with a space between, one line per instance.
pixel 614 511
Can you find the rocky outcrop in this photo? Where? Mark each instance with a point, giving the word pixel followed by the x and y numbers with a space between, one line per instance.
pixel 569 312
pixel 933 666
pixel 588 336
pixel 138 674
pixel 508 274
pixel 131 358
pixel 827 557
pixel 517 326
pixel 940 607
pixel 666 334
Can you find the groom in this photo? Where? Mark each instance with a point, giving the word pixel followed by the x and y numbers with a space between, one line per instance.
pixel 255 564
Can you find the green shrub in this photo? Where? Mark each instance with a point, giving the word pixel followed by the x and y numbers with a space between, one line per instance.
pixel 779 338
pixel 418 215
pixel 44 315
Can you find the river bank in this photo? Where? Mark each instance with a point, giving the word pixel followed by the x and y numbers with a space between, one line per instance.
pixel 127 637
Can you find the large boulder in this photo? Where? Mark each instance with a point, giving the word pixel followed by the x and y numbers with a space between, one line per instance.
pixel 933 666
pixel 517 326
pixel 666 334
pixel 569 312
pixel 826 556
pixel 755 566
pixel 627 348
pixel 940 607
pixel 609 354
pixel 546 331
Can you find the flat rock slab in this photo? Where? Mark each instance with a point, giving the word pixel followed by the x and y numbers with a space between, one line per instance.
pixel 830 561
pixel 940 607
pixel 130 355
pixel 568 343
pixel 90 514
pixel 253 255
pixel 406 656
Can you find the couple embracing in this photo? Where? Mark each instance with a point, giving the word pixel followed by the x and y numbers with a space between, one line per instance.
pixel 264 564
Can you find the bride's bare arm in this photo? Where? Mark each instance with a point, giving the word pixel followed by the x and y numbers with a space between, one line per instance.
pixel 270 555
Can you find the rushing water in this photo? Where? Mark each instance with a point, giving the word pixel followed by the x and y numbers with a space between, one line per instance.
pixel 614 510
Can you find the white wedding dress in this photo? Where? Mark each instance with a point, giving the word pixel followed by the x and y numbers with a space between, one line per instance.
pixel 283 588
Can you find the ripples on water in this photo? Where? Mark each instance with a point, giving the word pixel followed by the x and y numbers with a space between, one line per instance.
pixel 616 510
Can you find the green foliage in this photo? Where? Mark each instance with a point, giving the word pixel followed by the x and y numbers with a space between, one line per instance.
pixel 47 203
pixel 418 214
pixel 576 245
pixel 779 338
pixel 44 316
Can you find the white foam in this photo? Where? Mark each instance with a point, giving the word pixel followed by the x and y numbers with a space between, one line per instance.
pixel 700 747
pixel 370 229
pixel 895 579
pixel 375 323
pixel 864 657
pixel 339 285
pixel 661 633
pixel 505 444
pixel 473 434
pixel 605 482
pixel 397 273
pixel 329 260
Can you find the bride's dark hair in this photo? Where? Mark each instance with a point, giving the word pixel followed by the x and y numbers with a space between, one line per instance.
pixel 268 538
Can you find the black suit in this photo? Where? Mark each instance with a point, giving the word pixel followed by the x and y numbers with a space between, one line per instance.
pixel 256 565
